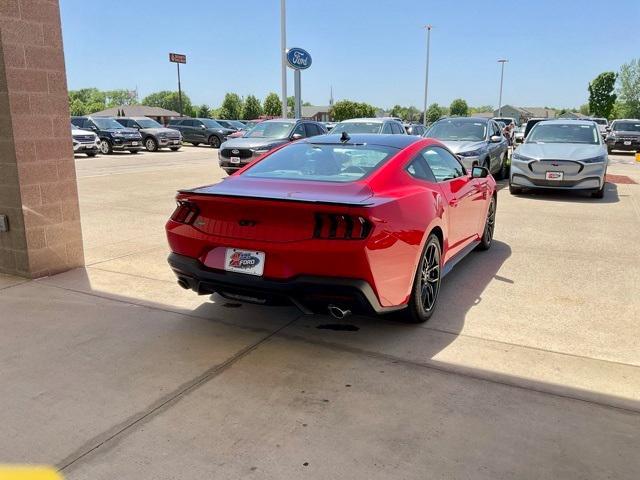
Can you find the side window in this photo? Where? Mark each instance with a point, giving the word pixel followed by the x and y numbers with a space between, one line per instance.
pixel 311 129
pixel 419 168
pixel 124 123
pixel 88 124
pixel 387 128
pixel 299 129
pixel 496 129
pixel 444 165
pixel 196 123
pixel 188 123
pixel 399 129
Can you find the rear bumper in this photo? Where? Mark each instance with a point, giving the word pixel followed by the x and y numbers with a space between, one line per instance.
pixel 313 292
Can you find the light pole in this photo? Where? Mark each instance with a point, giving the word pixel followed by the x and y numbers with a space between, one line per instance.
pixel 283 54
pixel 426 76
pixel 502 61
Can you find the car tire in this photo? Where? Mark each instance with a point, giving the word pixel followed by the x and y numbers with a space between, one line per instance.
pixel 513 190
pixel 426 283
pixel 174 149
pixel 214 141
pixel 134 152
pixel 504 169
pixel 489 226
pixel 105 147
pixel 609 150
pixel 151 144
pixel 487 164
pixel 600 192
pixel 195 144
pixel 91 154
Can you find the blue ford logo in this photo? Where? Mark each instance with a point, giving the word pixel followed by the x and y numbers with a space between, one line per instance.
pixel 298 59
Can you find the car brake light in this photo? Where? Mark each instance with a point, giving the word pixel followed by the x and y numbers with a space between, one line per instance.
pixel 186 212
pixel 341 227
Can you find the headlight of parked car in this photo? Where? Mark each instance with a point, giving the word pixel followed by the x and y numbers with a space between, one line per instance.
pixel 263 149
pixel 599 159
pixel 472 153
pixel 518 157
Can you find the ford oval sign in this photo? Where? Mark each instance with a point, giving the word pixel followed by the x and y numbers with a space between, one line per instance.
pixel 298 59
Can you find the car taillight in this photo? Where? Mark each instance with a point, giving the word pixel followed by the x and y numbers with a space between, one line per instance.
pixel 338 226
pixel 186 212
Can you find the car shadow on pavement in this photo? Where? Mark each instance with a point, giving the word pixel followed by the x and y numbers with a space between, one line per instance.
pixel 550 195
pixel 461 290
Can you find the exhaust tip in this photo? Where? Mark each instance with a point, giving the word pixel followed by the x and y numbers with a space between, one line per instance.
pixel 338 313
pixel 183 283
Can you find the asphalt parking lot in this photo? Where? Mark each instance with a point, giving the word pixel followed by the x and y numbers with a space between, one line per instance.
pixel 530 367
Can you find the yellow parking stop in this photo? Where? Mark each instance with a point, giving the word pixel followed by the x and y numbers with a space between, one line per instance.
pixel 25 472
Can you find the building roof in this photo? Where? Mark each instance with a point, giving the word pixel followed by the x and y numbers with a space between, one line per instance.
pixel 136 111
pixel 483 114
pixel 542 112
pixel 312 110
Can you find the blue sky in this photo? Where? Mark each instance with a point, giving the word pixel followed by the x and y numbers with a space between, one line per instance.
pixel 369 50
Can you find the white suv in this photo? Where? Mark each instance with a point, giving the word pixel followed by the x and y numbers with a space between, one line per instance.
pixel 85 141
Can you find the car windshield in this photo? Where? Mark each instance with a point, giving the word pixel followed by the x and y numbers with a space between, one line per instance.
pixel 600 121
pixel 357 127
pixel 210 123
pixel 237 124
pixel 626 126
pixel 148 123
pixel 458 130
pixel 107 123
pixel 563 133
pixel 270 130
pixel 330 163
pixel 506 121
pixel 224 123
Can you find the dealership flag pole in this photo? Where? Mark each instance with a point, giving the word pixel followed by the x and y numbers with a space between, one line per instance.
pixel 283 54
pixel 502 61
pixel 426 76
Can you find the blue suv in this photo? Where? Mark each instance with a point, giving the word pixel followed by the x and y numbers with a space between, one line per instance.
pixel 113 136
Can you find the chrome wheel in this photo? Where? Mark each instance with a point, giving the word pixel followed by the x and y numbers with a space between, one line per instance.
pixel 151 145
pixel 104 147
pixel 430 277
pixel 491 222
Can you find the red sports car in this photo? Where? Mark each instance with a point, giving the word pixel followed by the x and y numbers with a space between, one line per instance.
pixel 367 223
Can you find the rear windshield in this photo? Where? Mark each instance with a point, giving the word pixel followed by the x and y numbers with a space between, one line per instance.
pixel 358 127
pixel 564 133
pixel 626 126
pixel 330 163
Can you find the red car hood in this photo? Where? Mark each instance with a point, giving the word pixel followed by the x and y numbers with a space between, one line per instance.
pixel 351 193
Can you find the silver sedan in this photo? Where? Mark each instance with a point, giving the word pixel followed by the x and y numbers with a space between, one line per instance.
pixel 561 154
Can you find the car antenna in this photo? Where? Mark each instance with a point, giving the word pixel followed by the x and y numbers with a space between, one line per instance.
pixel 345 137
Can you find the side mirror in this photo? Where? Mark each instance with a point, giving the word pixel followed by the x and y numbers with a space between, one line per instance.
pixel 479 172
pixel 296 136
pixel 608 129
pixel 495 139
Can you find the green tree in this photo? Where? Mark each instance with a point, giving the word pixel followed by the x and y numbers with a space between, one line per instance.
pixel 434 112
pixel 397 111
pixel 584 109
pixel 76 107
pixel 231 107
pixel 87 100
pixel 459 108
pixel 272 105
pixel 169 100
pixel 251 108
pixel 481 109
pixel 601 96
pixel 116 98
pixel 629 89
pixel 203 111
pixel 345 109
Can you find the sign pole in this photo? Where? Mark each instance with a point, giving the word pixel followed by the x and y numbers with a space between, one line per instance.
pixel 283 55
pixel 298 86
pixel 179 90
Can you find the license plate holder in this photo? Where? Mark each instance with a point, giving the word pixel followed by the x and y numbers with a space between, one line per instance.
pixel 235 160
pixel 249 262
pixel 554 176
pixel 627 142
pixel 134 144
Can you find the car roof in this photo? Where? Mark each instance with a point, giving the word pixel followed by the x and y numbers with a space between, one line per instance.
pixel 386 140
pixel 369 120
pixel 567 121
pixel 465 119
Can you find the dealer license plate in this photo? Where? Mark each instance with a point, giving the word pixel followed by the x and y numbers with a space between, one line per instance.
pixel 555 176
pixel 235 159
pixel 244 261
pixel 627 142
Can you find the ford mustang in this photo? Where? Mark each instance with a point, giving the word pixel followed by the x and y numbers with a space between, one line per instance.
pixel 366 223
